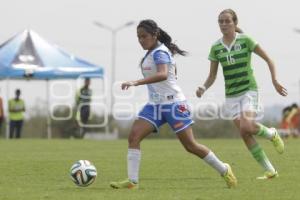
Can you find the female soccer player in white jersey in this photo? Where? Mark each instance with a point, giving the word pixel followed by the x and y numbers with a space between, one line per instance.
pixel 233 51
pixel 167 104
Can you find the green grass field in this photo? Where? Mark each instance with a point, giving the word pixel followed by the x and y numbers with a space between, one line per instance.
pixel 39 169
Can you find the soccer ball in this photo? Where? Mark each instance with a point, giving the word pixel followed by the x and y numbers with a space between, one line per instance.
pixel 83 173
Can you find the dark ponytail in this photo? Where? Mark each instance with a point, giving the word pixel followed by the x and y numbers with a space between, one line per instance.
pixel 151 27
pixel 165 38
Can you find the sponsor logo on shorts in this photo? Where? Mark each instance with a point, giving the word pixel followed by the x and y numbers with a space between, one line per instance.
pixel 183 109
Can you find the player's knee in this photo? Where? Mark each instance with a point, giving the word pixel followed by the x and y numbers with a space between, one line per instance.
pixel 247 129
pixel 191 148
pixel 244 130
pixel 134 137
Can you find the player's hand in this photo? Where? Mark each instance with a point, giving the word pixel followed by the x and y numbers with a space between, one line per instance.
pixel 200 91
pixel 128 84
pixel 279 88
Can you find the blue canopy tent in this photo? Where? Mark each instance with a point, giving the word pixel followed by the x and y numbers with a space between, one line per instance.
pixel 27 55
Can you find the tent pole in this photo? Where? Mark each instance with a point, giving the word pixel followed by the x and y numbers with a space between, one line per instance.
pixel 7 99
pixel 49 131
pixel 105 102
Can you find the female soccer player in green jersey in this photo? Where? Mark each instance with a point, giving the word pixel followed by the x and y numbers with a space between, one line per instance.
pixel 233 51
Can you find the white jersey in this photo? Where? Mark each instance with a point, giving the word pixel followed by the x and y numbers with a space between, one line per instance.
pixel 166 91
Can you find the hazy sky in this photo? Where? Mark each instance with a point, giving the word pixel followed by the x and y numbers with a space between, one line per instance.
pixel 191 23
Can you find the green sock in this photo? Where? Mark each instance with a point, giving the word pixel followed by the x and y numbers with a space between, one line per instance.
pixel 260 156
pixel 265 132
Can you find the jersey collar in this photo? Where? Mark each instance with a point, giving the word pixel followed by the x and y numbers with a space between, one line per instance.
pixel 232 43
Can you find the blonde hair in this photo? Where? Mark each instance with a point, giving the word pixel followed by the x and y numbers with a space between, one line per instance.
pixel 234 18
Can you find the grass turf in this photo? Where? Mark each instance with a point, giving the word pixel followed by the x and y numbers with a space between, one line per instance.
pixel 39 169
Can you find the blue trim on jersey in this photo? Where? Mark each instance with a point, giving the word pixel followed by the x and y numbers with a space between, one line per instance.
pixel 161 57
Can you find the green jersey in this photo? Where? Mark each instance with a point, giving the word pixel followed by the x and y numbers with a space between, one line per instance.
pixel 236 64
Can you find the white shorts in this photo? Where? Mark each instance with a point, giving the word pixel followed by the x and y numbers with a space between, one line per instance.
pixel 234 106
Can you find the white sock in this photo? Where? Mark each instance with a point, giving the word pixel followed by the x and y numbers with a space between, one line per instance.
pixel 267 165
pixel 266 132
pixel 214 161
pixel 271 133
pixel 133 164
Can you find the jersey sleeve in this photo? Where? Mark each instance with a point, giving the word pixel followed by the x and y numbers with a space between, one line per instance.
pixel 212 56
pixel 251 43
pixel 161 57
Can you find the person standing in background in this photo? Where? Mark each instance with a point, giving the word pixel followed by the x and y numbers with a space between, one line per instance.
pixel 83 100
pixel 16 107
